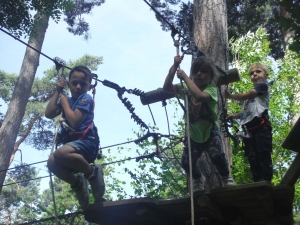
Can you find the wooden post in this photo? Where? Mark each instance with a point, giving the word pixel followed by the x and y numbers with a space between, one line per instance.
pixel 284 212
pixel 292 174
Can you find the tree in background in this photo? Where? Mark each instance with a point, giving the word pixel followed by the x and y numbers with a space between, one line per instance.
pixel 289 20
pixel 16 108
pixel 18 200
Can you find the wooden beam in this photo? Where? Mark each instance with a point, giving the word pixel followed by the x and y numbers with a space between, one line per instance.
pixel 205 202
pixel 291 142
pixel 105 218
pixel 233 216
pixel 292 174
pixel 154 215
pixel 266 200
pixel 284 212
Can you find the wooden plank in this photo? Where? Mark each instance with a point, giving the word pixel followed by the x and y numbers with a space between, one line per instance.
pixel 266 200
pixel 155 216
pixel 292 174
pixel 284 212
pixel 250 203
pixel 205 202
pixel 292 142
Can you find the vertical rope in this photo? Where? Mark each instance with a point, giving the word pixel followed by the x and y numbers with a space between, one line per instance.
pixel 190 158
pixel 176 44
pixel 50 174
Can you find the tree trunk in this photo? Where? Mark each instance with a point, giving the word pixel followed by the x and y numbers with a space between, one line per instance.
pixel 210 35
pixel 16 108
pixel 287 34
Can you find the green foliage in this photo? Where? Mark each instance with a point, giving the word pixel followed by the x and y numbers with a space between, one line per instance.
pixel 7 83
pixel 16 16
pixel 243 16
pixel 284 101
pixel 18 200
pixel 159 176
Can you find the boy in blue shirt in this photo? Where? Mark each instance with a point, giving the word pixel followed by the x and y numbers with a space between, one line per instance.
pixel 78 135
pixel 254 116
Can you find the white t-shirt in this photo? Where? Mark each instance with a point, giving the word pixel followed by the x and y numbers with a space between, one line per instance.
pixel 255 107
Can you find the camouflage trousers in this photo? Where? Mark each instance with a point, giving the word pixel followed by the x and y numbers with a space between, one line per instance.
pixel 213 146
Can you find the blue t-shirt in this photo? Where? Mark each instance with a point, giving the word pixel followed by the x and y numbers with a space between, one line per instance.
pixel 85 102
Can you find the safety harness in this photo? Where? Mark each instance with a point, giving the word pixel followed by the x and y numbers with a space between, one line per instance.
pixel 71 130
pixel 262 122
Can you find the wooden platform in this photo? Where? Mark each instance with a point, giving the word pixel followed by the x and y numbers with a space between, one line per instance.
pixel 256 203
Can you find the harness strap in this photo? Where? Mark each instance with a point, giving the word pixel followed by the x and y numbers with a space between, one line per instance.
pixel 83 133
pixel 263 121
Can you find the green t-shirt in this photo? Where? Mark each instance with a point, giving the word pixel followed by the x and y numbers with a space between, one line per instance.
pixel 200 128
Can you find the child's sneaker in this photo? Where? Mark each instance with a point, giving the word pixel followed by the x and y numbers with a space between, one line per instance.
pixel 199 183
pixel 228 181
pixel 81 190
pixel 96 181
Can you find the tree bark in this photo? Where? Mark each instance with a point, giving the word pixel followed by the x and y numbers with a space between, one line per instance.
pixel 287 34
pixel 16 108
pixel 210 35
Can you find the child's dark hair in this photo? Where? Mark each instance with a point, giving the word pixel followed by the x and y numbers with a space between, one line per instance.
pixel 203 61
pixel 84 70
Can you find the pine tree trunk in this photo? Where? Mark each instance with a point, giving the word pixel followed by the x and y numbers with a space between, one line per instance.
pixel 210 35
pixel 287 34
pixel 17 106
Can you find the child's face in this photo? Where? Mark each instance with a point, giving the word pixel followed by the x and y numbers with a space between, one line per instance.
pixel 79 84
pixel 202 77
pixel 257 75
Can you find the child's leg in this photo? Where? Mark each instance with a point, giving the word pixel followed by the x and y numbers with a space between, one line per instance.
pixel 63 162
pixel 198 178
pixel 263 144
pixel 196 153
pixel 66 159
pixel 217 155
pixel 88 150
pixel 252 155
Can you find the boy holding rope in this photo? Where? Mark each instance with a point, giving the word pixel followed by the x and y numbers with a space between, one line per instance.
pixel 204 130
pixel 254 116
pixel 78 135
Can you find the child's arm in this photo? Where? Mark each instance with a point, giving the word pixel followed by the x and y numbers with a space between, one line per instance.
pixel 234 116
pixel 198 95
pixel 168 85
pixel 52 109
pixel 76 117
pixel 241 97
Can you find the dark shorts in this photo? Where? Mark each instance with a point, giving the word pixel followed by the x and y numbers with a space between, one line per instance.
pixel 87 148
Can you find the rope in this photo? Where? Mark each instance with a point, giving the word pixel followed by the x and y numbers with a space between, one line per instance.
pixel 23 166
pixel 53 60
pixel 52 218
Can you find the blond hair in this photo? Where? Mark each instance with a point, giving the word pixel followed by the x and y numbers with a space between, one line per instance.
pixel 259 65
